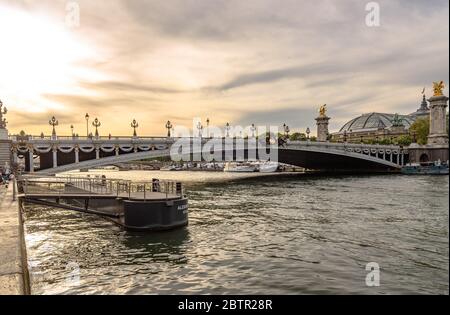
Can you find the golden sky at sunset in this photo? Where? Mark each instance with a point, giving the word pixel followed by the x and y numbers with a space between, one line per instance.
pixel 243 62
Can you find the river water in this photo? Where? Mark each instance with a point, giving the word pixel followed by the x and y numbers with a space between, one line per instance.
pixel 278 234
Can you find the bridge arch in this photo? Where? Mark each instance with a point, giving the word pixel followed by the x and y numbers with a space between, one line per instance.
pixel 308 156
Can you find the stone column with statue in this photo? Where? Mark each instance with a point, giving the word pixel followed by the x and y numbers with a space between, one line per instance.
pixel 5 143
pixel 436 148
pixel 438 116
pixel 322 124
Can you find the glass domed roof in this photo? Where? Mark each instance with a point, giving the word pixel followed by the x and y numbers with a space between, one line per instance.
pixel 374 121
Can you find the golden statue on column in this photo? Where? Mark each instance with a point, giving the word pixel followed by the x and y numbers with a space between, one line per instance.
pixel 438 87
pixel 323 110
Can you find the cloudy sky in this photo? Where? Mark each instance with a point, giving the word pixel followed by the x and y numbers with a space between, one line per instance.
pixel 243 62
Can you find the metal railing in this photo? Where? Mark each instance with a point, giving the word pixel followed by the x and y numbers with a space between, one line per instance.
pixel 342 145
pixel 73 185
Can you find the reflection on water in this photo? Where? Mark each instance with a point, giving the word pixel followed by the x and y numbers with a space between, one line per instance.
pixel 277 234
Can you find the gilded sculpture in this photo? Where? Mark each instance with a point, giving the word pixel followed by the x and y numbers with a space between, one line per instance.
pixel 323 110
pixel 438 87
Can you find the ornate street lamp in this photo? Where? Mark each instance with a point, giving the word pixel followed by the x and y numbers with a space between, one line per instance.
pixel 53 122
pixel 87 124
pixel 308 131
pixel 200 129
pixel 168 127
pixel 96 123
pixel 134 125
pixel 286 130
pixel 207 127
pixel 227 129
pixel 253 129
pixel 71 130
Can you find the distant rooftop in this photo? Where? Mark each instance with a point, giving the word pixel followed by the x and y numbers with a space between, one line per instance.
pixel 375 121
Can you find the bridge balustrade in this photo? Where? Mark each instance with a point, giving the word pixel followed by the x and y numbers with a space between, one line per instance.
pixel 85 152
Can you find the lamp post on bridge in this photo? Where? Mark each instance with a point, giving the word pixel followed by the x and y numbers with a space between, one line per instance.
pixel 286 131
pixel 168 127
pixel 71 130
pixel 96 123
pixel 200 129
pixel 53 122
pixel 308 131
pixel 253 130
pixel 227 129
pixel 87 124
pixel 207 127
pixel 134 125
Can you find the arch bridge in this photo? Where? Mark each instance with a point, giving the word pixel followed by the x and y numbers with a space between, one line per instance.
pixel 61 154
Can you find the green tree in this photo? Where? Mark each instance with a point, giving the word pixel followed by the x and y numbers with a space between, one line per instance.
pixel 404 140
pixel 297 136
pixel 421 129
pixel 385 141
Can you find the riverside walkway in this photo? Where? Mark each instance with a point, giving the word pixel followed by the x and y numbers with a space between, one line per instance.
pixel 13 263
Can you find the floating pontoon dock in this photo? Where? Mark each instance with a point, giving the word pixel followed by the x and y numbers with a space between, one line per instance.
pixel 141 206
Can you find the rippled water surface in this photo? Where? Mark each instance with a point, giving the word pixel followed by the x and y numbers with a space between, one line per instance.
pixel 280 234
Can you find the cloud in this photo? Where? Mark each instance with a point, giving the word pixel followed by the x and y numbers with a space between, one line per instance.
pixel 244 61
pixel 128 87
